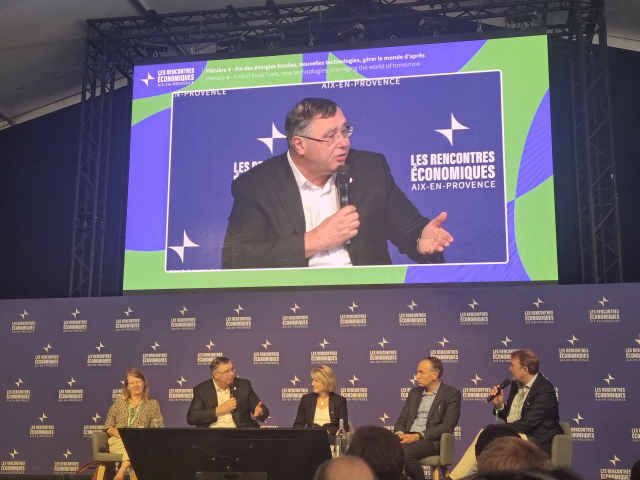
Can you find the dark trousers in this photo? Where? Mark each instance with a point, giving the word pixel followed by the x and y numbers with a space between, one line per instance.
pixel 413 453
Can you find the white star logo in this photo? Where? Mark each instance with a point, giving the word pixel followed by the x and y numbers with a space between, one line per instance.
pixel 13 455
pixel 268 141
pixel 384 418
pixel 95 419
pixel 295 307
pixel 266 344
pixel 638 339
pixel 608 380
pixel 475 380
pixel 573 340
pixel 237 310
pixel 155 345
pixel 473 305
pixel 71 382
pixel 128 311
pixel 413 304
pixel 444 340
pixel 577 420
pixel 537 304
pixel 603 301
pixel 413 380
pixel 181 381
pixel 75 314
pixel 46 349
pixel 211 344
pixel 146 80
pixel 353 305
pixel 24 314
pixel 295 379
pixel 19 382
pixel 324 343
pixel 184 309
pixel 448 132
pixel 66 455
pixel 506 341
pixel 615 459
pixel 42 418
pixel 354 380
pixel 383 342
pixel 99 347
pixel 186 243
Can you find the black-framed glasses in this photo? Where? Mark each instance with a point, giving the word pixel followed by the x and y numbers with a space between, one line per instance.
pixel 333 139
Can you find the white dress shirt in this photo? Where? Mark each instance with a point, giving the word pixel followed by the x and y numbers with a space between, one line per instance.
pixel 319 204
pixel 226 420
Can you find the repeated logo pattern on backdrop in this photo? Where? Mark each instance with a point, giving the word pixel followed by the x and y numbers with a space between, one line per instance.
pixel 63 361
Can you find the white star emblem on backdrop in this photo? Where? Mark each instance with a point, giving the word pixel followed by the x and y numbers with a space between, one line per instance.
pixel 211 344
pixel 128 311
pixel 577 420
pixel 413 304
pixel 444 340
pixel 448 132
pixel 413 380
pixel 66 455
pixel 638 339
pixel 146 80
pixel 186 243
pixel 237 310
pixel 615 459
pixel 354 380
pixel 75 314
pixel 181 381
pixel 475 380
pixel 473 304
pixel 99 347
pixel 603 301
pixel 42 418
pixel 266 344
pixel 24 314
pixel 95 419
pixel 384 418
pixel 506 341
pixel 155 345
pixel 71 382
pixel 608 380
pixel 268 141
pixel 295 379
pixel 537 304
pixel 46 349
pixel 324 343
pixel 13 455
pixel 18 382
pixel 295 308
pixel 353 305
pixel 184 309
pixel 573 340
pixel 383 342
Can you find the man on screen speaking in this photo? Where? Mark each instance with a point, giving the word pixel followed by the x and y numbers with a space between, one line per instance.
pixel 286 211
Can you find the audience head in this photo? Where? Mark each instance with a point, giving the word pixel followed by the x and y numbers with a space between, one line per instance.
pixel 510 453
pixel 635 471
pixel 381 450
pixel 492 432
pixel 135 383
pixel 344 468
pixel 323 379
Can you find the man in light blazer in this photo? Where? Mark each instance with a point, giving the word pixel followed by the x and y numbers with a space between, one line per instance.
pixel 225 401
pixel 431 409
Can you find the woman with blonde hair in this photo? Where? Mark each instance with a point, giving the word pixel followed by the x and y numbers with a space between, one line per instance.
pixel 133 409
pixel 323 408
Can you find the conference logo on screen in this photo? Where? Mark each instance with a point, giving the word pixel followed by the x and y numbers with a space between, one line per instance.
pixel 633 354
pixel 353 319
pixel 171 77
pixel 12 466
pixel 41 430
pixel 615 473
pixel 23 326
pixel 47 360
pixel 324 357
pixel 355 393
pixel 404 391
pixel 413 319
pixel 239 322
pixel 476 393
pixel 474 317
pixel 610 393
pixel 87 430
pixel 267 357
pixel 183 323
pixel 538 316
pixel 180 394
pixel 581 433
pixel 445 355
pixel 574 354
pixel 295 321
pixel 20 394
pixel 70 394
pixel 99 359
pixel 74 326
pixel 504 354
pixel 205 358
pixel 155 359
pixel 604 314
pixel 127 324
pixel 67 466
pixel 293 394
pixel 384 355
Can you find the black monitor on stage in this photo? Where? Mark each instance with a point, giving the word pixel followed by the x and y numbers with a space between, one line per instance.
pixel 180 453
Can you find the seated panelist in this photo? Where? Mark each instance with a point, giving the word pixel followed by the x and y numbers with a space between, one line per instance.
pixel 323 408
pixel 133 409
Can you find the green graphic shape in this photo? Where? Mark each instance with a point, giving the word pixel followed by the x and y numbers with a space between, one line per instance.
pixel 338 71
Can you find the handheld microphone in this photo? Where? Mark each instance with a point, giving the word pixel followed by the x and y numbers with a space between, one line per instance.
pixel 343 177
pixel 502 386
pixel 232 389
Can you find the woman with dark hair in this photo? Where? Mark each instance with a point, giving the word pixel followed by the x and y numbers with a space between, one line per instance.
pixel 133 409
pixel 380 449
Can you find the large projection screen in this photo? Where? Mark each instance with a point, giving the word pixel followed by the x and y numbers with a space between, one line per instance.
pixel 464 127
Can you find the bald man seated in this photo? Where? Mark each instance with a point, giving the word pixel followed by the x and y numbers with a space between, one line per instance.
pixel 344 468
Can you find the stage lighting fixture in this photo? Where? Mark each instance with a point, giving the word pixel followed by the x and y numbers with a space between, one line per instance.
pixel 232 43
pixel 274 12
pixel 154 48
pixel 433 24
pixel 272 39
pixel 522 17
pixel 232 19
pixel 353 33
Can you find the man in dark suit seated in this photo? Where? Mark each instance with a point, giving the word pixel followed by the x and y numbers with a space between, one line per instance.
pixel 286 211
pixel 431 409
pixel 225 401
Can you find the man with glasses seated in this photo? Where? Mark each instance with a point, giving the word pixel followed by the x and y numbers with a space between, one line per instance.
pixel 286 211
pixel 226 401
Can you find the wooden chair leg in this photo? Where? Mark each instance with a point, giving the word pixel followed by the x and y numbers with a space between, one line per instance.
pixel 98 474
pixel 435 473
pixel 132 475
pixel 445 471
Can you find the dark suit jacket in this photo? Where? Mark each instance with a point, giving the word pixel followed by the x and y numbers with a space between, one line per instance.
pixel 337 411
pixel 267 225
pixel 443 415
pixel 540 416
pixel 202 411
